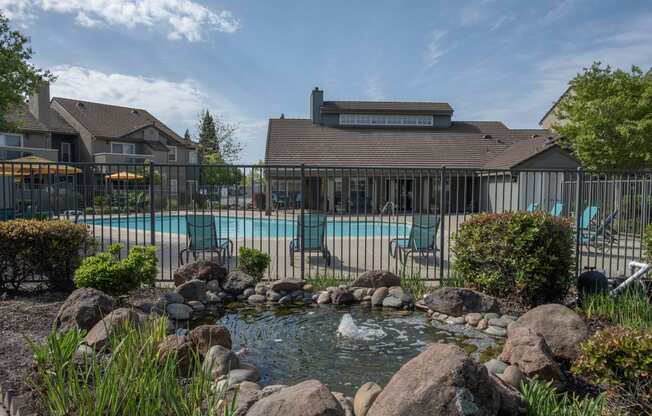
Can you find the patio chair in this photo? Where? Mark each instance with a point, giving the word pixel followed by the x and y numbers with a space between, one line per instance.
pixel 422 238
pixel 202 237
pixel 533 207
pixel 587 218
pixel 557 209
pixel 7 214
pixel 314 237
pixel 602 231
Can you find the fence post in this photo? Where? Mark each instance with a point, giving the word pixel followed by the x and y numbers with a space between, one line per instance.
pixel 578 218
pixel 442 178
pixel 301 223
pixel 152 212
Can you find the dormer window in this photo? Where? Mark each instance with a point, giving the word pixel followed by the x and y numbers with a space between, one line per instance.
pixel 172 153
pixel 386 120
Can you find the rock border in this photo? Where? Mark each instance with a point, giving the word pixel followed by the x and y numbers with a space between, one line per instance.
pixel 11 405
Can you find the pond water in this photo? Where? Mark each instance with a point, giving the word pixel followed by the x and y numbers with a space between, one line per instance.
pixel 343 348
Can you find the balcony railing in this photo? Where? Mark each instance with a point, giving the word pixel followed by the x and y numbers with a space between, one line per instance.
pixel 135 159
pixel 15 152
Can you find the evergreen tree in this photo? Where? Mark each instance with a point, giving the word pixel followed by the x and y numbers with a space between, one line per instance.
pixel 217 137
pixel 186 135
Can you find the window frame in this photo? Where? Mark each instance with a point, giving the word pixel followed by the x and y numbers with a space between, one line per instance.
pixel 173 150
pixel 123 144
pixel 61 146
pixel 193 157
pixel 387 120
pixel 3 138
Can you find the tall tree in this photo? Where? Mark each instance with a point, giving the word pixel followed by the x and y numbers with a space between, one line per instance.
pixel 186 135
pixel 606 119
pixel 18 77
pixel 217 137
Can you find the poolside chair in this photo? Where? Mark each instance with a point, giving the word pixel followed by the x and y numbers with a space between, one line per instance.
pixel 421 240
pixel 202 237
pixel 7 214
pixel 557 209
pixel 602 231
pixel 533 207
pixel 314 237
pixel 587 218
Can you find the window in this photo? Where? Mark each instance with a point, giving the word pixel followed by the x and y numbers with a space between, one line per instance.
pixel 10 139
pixel 192 186
pixel 385 120
pixel 172 153
pixel 66 152
pixel 123 148
pixel 173 186
pixel 192 157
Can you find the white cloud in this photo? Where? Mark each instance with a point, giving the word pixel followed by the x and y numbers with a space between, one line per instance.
pixel 175 103
pixel 434 50
pixel 560 9
pixel 183 19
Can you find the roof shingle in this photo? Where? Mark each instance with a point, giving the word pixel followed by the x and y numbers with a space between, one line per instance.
pixel 385 107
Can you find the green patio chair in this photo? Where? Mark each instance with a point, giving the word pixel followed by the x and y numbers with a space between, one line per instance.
pixel 587 218
pixel 601 232
pixel 422 238
pixel 202 237
pixel 533 207
pixel 314 237
pixel 557 209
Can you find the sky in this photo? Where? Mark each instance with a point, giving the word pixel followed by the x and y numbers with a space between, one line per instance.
pixel 250 60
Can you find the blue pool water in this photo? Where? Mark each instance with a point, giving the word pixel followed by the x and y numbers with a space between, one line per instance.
pixel 247 227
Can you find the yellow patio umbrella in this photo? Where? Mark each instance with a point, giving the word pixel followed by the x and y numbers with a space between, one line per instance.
pixel 124 176
pixel 34 165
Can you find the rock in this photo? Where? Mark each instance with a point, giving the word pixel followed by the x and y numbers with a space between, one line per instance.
pixel 204 270
pixel 83 309
pixel 274 388
pixel 500 322
pixel 273 296
pixel 307 287
pixel 359 293
pixel 495 366
pixel 109 326
pixel 401 294
pixel 248 292
pixel 245 393
pixel 509 318
pixel 473 318
pixel 532 355
pixel 204 337
pixel 197 306
pixel 562 328
pixel 378 296
pixel 286 300
pixel 324 298
pixel 192 290
pixel 83 354
pixel 496 331
pixel 456 320
pixel 491 315
pixel 365 397
pixel 239 375
pixel 342 297
pixel 392 302
pixel 212 298
pixel 309 398
pixel 256 299
pixel 512 376
pixel 376 279
pixel 213 286
pixel 287 285
pixel 297 295
pixel 460 301
pixel 511 401
pixel 261 289
pixel 345 402
pixel 237 281
pixel 179 311
pixel 168 298
pixel 219 361
pixel 177 348
pixel 443 380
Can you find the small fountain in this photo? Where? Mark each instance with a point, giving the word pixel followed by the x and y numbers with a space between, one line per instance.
pixel 348 329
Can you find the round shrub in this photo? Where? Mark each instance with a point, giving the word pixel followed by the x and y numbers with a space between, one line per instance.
pixel 527 255
pixel 106 272
pixel 253 262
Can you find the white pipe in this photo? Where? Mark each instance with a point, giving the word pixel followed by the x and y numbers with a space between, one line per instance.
pixel 643 268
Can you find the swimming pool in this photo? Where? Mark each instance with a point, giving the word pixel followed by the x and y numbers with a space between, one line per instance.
pixel 248 227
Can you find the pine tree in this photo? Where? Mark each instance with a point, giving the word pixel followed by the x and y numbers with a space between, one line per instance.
pixel 217 138
pixel 207 135
pixel 186 135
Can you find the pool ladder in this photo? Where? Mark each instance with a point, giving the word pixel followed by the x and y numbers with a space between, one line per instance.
pixel 388 206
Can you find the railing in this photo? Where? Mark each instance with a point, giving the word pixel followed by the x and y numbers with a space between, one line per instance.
pixel 15 152
pixel 263 206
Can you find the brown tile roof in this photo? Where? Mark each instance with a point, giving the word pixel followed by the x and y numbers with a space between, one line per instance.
pixel 466 144
pixel 26 121
pixel 59 125
pixel 112 121
pixel 386 107
pixel 534 142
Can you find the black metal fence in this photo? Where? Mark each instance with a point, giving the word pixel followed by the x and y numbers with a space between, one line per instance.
pixel 353 218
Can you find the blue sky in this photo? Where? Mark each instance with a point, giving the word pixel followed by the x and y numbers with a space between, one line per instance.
pixel 249 60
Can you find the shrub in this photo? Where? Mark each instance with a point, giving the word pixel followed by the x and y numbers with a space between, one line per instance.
pixel 542 399
pixel 49 249
pixel 529 255
pixel 106 272
pixel 253 262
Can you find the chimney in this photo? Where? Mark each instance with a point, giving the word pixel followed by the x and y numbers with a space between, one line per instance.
pixel 39 103
pixel 316 100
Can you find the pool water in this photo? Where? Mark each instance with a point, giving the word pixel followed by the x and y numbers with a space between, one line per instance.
pixel 343 348
pixel 247 227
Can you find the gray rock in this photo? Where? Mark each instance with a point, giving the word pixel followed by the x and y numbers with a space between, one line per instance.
pixel 286 300
pixel 377 278
pixel 378 296
pixel 83 309
pixel 245 395
pixel 248 292
pixel 297 295
pixel 256 299
pixel 473 318
pixel 273 296
pixel 365 397
pixel 220 361
pixel 345 402
pixel 496 331
pixel 359 293
pixel 460 301
pixel 179 311
pixel 274 388
pixel 239 375
pixel 324 298
pixel 532 355
pixel 261 289
pixel 458 320
pixel 204 337
pixel 309 398
pixel 197 306
pixel 491 315
pixel 212 298
pixel 342 297
pixel 109 326
pixel 177 348
pixel 287 285
pixel 509 317
pixel 512 376
pixel 392 302
pixel 204 270
pixel 213 286
pixel 401 294
pixel 495 366
pixel 171 297
pixel 502 323
pixel 193 290
pixel 237 282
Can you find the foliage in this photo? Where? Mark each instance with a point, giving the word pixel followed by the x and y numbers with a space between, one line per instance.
pixel 219 176
pixel 415 284
pixel 543 400
pixel 631 308
pixel 18 77
pixel 52 249
pixel 253 262
pixel 106 272
pixel 607 118
pixel 529 255
pixel 324 281
pixel 134 381
pixel 217 138
pixel 647 243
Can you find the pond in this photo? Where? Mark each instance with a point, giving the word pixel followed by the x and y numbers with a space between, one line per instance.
pixel 342 347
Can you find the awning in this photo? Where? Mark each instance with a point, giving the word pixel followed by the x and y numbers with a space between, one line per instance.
pixel 34 165
pixel 124 176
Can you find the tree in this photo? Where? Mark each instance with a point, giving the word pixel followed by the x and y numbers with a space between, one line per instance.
pixel 186 135
pixel 18 77
pixel 220 176
pixel 606 119
pixel 217 137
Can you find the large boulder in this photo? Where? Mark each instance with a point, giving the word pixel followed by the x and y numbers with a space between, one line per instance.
pixel 376 279
pixel 219 361
pixel 111 324
pixel 365 397
pixel 192 290
pixel 561 327
pixel 177 348
pixel 83 309
pixel 205 270
pixel 460 301
pixel 341 296
pixel 532 355
pixel 245 394
pixel 287 285
pixel 443 380
pixel 309 398
pixel 237 281
pixel 204 337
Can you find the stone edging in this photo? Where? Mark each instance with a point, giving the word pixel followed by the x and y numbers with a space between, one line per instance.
pixel 11 405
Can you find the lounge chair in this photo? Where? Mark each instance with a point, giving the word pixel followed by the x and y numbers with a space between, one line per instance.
pixel 202 237
pixel 421 240
pixel 533 207
pixel 602 231
pixel 587 218
pixel 314 237
pixel 557 209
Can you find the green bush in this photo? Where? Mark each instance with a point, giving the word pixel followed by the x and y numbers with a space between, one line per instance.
pixel 106 272
pixel 542 399
pixel 50 249
pixel 631 308
pixel 529 255
pixel 253 262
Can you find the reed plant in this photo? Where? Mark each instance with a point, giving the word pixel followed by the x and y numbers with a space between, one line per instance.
pixel 544 400
pixel 631 308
